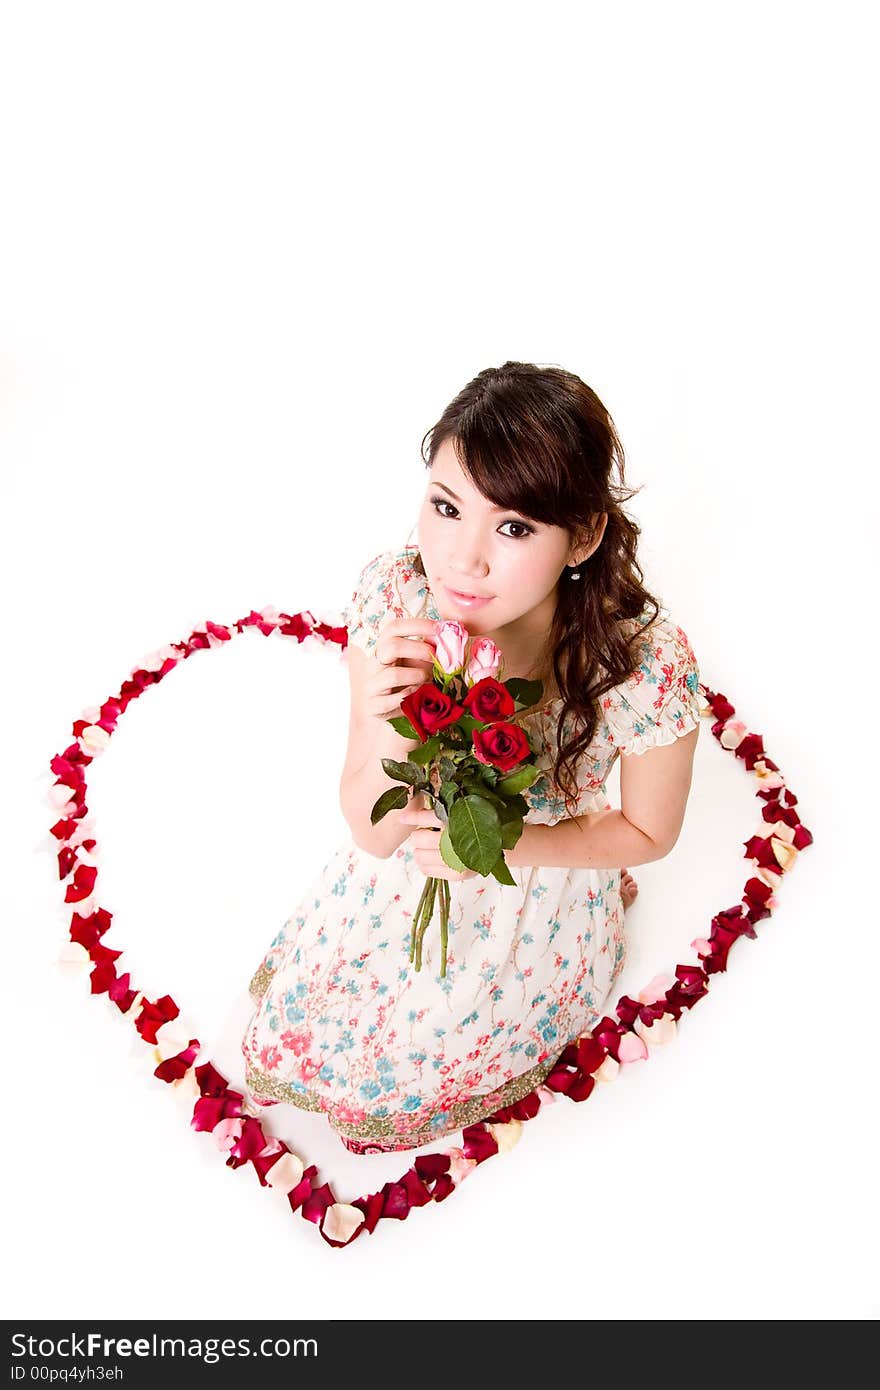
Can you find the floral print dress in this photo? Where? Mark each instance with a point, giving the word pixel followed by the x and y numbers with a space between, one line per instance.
pixel 395 1058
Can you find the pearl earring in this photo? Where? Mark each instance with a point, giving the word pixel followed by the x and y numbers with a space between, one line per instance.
pixel 576 574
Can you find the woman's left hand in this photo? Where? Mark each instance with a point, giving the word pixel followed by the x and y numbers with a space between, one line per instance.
pixel 425 838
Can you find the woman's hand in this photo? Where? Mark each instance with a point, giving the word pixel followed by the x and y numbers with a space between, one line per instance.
pixel 425 838
pixel 398 665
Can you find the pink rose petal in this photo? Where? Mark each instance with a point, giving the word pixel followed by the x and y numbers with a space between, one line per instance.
pixel 227 1133
pixel 459 1165
pixel 631 1049
pixel 655 989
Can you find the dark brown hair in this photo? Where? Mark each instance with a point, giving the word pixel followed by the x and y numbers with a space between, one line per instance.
pixel 538 440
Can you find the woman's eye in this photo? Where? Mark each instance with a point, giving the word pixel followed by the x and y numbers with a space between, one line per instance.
pixel 525 529
pixel 440 502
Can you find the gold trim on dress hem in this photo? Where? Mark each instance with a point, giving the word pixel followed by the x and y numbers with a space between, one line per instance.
pixel 263 1086
pixel 260 983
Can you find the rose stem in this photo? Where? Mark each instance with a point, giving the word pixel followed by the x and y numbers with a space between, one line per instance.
pixel 423 926
pixel 419 914
pixel 444 924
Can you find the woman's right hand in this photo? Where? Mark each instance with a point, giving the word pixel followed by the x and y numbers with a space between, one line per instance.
pixel 401 661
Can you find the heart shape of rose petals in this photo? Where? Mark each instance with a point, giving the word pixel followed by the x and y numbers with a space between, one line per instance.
pixel 641 1024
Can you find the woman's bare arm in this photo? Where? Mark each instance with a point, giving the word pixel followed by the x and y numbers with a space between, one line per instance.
pixel 371 738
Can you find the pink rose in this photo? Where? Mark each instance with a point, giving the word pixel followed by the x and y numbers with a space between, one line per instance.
pixel 450 644
pixel 485 660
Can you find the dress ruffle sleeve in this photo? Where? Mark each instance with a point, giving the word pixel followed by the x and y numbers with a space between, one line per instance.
pixel 661 700
pixel 388 587
pixel 369 607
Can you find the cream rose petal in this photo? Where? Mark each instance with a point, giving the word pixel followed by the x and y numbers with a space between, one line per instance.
pixel 661 1031
pixel 608 1070
pixel 506 1135
pixel 74 959
pixel 286 1174
pixel 733 734
pixel 94 739
pixel 341 1220
pixel 186 1087
pixel 785 854
pixel 767 876
pixel 173 1037
pixel 134 1007
pixel 782 831
pixel 766 776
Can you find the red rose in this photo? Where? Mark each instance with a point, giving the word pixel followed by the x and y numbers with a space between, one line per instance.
pixel 488 700
pixel 501 745
pixel 430 709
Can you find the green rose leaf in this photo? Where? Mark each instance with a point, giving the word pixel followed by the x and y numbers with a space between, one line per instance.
pixel 447 853
pixel 404 772
pixel 502 873
pixel 393 800
pixel 475 832
pixel 518 780
pixel 427 752
pixel 525 693
pixel 403 727
pixel 448 793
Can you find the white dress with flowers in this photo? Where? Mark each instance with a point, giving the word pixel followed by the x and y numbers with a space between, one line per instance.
pixel 397 1058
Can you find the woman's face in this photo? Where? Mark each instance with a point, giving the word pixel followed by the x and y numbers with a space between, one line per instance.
pixel 469 545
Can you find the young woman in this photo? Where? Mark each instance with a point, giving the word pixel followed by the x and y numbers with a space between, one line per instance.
pixel 521 538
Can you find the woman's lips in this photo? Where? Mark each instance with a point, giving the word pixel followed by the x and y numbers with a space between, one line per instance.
pixel 463 601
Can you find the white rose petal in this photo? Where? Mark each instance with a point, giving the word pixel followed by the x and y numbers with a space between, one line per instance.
pixel 608 1070
pixel 134 1007
pixel 94 739
pixel 59 796
pixel 286 1174
pixel 74 958
pixel 187 1086
pixel 172 1038
pixel 341 1220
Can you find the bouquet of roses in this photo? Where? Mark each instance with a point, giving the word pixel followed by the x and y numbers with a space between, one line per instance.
pixel 472 764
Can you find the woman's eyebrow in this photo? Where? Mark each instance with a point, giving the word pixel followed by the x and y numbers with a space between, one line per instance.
pixel 458 499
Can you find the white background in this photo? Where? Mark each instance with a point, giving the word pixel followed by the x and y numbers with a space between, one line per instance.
pixel 248 255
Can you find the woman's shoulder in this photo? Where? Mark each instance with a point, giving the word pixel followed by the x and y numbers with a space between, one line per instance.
pixel 388 586
pixel 394 574
pixel 658 641
pixel 660 699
